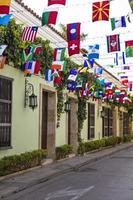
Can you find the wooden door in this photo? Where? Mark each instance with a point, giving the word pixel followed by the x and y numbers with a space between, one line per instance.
pixel 44 120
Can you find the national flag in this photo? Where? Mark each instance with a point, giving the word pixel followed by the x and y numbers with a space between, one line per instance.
pixel 129 48
pixel 30 51
pixel 130 86
pixel 2 49
pixel 27 55
pixel 117 91
pixel 5 6
pixel 55 73
pixel 59 65
pixel 31 67
pixel 57 81
pixel 29 33
pixel 73 47
pixel 100 11
pixel 113 43
pixel 48 75
pixel 73 31
pixel 83 69
pixel 120 58
pixel 59 54
pixel 4 20
pixel 2 61
pixel 79 82
pixel 51 2
pixel 124 80
pixel 98 71
pixel 49 16
pixel 71 85
pixel 118 22
pixel 92 62
pixel 93 52
pixel 126 68
pixel 72 75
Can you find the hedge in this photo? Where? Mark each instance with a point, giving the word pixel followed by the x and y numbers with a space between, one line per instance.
pixel 15 163
pixel 63 151
pixel 88 146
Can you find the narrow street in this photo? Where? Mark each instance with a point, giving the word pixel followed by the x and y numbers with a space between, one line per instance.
pixel 107 179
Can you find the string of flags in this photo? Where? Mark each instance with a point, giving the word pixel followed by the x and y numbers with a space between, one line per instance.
pixel 30 65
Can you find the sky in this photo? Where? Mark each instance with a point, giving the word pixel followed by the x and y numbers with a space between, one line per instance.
pixel 81 11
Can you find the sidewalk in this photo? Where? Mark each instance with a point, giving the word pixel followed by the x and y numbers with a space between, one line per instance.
pixel 12 184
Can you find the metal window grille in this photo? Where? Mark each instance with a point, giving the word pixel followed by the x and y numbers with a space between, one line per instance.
pixel 5 111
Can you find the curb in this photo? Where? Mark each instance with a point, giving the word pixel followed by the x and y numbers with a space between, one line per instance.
pixel 55 174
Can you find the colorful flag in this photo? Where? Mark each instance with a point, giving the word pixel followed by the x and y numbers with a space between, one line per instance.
pixel 49 16
pixel 98 71
pixel 2 61
pixel 31 67
pixel 59 65
pixel 59 54
pixel 73 31
pixel 118 22
pixel 113 43
pixel 71 85
pixel 30 51
pixel 57 81
pixel 120 58
pixel 93 52
pixel 124 80
pixel 4 20
pixel 73 47
pixel 29 33
pixel 126 68
pixel 2 49
pixel 48 75
pixel 4 6
pixel 51 2
pixel 73 75
pixel 130 86
pixel 100 11
pixel 129 48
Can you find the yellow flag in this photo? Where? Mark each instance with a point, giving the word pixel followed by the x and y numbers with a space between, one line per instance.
pixel 5 2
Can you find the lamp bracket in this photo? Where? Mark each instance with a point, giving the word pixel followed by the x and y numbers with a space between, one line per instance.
pixel 29 89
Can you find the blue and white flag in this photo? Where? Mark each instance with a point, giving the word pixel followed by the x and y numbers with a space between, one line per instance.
pixel 48 75
pixel 118 22
pixel 93 52
pixel 98 71
pixel 120 58
pixel 4 20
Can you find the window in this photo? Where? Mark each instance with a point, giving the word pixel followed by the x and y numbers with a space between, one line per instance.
pixel 107 122
pixel 91 121
pixel 5 111
pixel 125 123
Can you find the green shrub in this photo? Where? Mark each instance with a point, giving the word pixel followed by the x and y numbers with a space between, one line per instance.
pixel 111 141
pixel 127 138
pixel 15 163
pixel 63 151
pixel 88 146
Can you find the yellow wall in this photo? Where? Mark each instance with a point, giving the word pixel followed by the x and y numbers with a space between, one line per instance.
pixel 25 122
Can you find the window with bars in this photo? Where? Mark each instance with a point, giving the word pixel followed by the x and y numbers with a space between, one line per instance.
pixel 125 123
pixel 5 111
pixel 91 121
pixel 107 122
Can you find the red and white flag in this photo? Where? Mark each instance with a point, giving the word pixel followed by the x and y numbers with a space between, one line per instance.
pixel 73 47
pixel 29 33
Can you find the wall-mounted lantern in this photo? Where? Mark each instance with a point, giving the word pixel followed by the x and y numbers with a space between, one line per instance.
pixel 30 97
pixel 102 114
pixel 67 106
